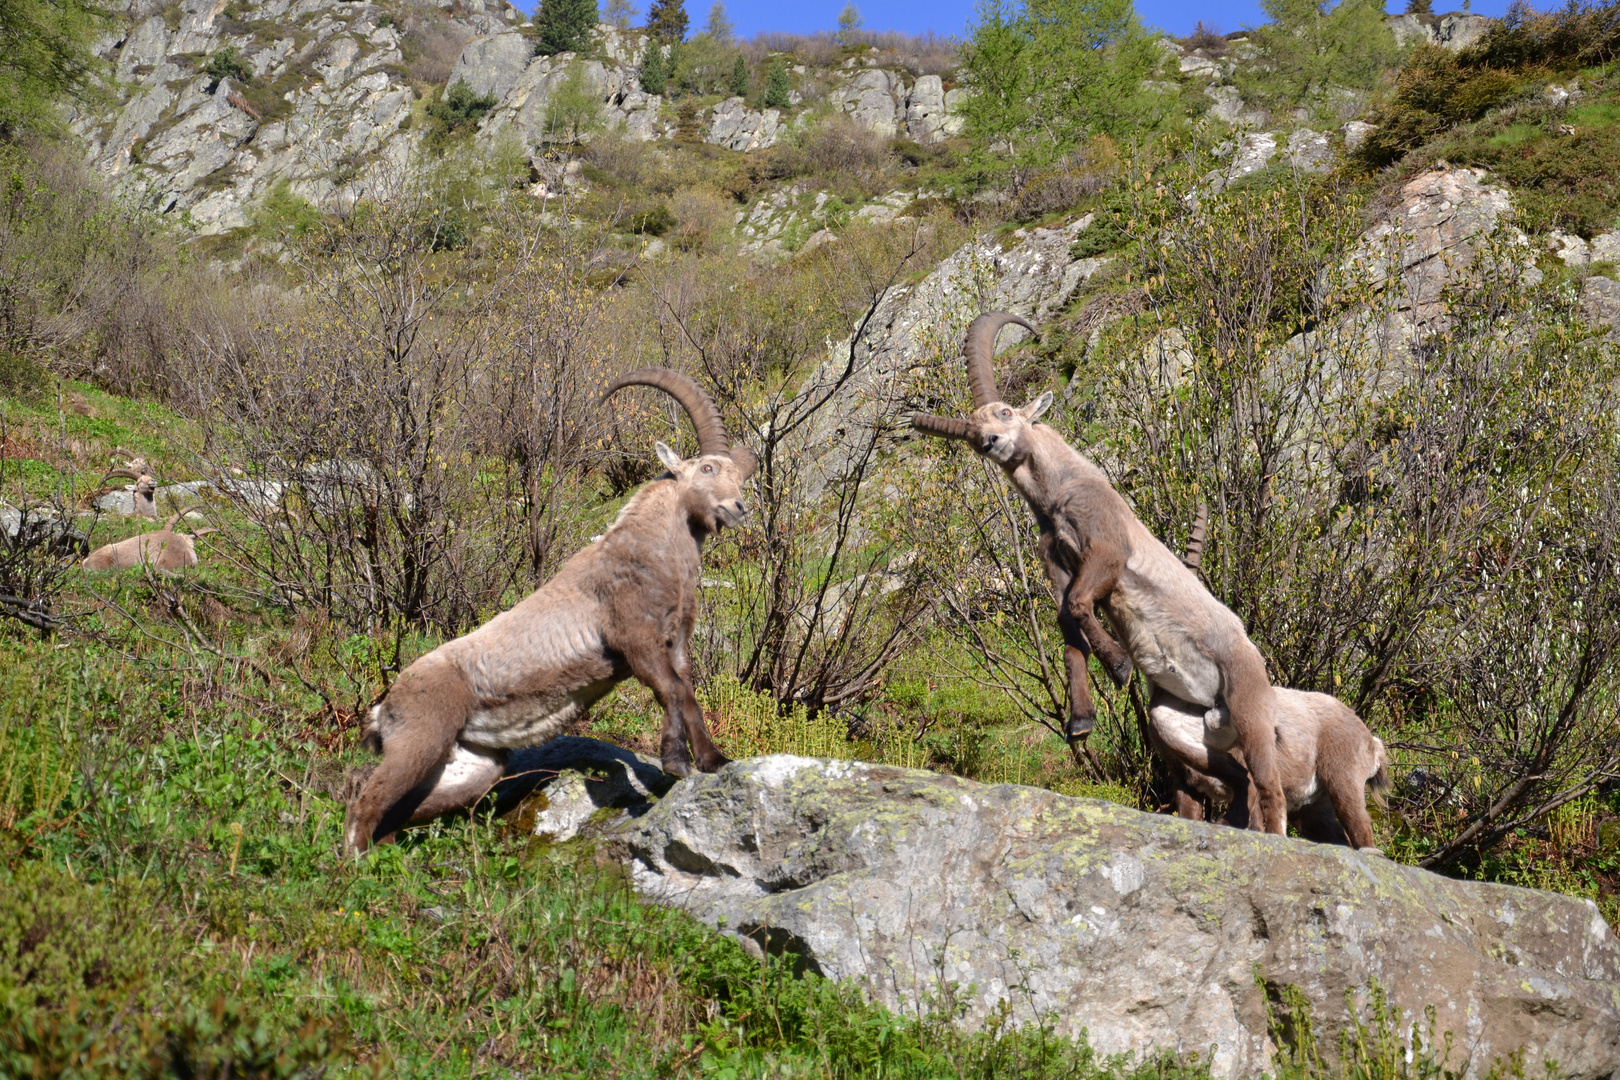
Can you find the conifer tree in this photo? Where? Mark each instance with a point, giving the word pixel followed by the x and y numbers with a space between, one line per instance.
pixel 666 20
pixel 776 85
pixel 564 25
pixel 739 76
pixel 654 69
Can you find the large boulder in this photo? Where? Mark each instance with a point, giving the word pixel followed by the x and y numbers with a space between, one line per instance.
pixel 872 99
pixel 1148 933
pixel 1455 31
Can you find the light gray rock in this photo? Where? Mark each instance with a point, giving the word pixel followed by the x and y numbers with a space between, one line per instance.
pixel 928 110
pixel 1600 302
pixel 145 47
pixel 1570 249
pixel 872 99
pixel 493 65
pixel 1356 132
pixel 1605 247
pixel 1309 151
pixel 1430 237
pixel 735 126
pixel 1228 107
pixel 1196 63
pixel 1456 31
pixel 1150 933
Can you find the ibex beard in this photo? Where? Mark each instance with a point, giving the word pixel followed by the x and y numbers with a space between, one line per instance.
pixel 623 606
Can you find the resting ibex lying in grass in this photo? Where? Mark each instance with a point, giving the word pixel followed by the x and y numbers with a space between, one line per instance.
pixel 1326 757
pixel 161 549
pixel 1096 552
pixel 623 606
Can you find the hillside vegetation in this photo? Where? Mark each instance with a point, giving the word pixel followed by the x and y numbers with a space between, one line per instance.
pixel 1412 481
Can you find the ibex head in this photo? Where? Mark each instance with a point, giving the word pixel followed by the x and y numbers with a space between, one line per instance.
pixel 995 429
pixel 710 485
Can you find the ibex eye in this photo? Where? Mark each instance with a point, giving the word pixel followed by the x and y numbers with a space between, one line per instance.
pixel 1006 413
pixel 708 468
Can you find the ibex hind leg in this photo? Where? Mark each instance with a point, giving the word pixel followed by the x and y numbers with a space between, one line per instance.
pixel 458 782
pixel 411 754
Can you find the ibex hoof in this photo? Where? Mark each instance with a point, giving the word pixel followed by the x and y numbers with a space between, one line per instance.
pixel 714 764
pixel 676 766
pixel 1078 728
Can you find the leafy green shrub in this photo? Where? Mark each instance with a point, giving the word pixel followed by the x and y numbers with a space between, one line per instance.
pixel 458 106
pixel 284 213
pixel 655 220
pixel 1434 91
pixel 575 107
pixel 1312 50
pixel 225 64
pixel 20 377
pixel 1559 180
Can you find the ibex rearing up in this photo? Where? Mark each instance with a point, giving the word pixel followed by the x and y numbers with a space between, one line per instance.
pixel 623 606
pixel 1097 552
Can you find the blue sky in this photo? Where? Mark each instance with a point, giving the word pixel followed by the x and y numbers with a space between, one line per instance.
pixel 951 16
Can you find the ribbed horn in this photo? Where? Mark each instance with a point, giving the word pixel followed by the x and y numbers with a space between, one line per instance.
pixel 180 513
pixel 123 474
pixel 1195 543
pixel 946 427
pixel 694 399
pixel 979 352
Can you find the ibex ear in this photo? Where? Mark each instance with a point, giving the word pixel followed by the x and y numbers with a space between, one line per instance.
pixel 672 461
pixel 1032 412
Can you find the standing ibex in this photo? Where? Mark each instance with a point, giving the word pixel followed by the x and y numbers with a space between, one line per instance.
pixel 1326 757
pixel 622 606
pixel 1097 552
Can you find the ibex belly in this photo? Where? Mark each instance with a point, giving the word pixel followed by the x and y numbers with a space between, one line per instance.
pixel 524 722
pixel 1158 642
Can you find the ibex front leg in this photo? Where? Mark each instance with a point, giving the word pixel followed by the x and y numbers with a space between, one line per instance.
pixel 1076 651
pixel 1095 578
pixel 665 672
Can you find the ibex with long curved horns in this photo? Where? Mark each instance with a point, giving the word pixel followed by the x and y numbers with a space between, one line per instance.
pixel 622 606
pixel 1097 552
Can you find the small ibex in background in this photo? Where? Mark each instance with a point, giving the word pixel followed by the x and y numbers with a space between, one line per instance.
pixel 145 485
pixel 1326 757
pixel 1096 552
pixel 161 549
pixel 622 606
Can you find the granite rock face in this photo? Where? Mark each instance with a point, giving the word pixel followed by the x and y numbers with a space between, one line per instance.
pixel 1149 933
pixel 735 126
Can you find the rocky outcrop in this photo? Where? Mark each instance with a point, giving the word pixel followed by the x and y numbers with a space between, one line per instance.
pixel 735 126
pixel 930 112
pixel 1457 30
pixel 521 112
pixel 1148 933
pixel 1433 233
pixel 873 99
pixel 331 125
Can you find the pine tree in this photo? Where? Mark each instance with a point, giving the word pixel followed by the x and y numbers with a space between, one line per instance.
pixel 618 13
pixel 776 86
pixel 739 76
pixel 564 25
pixel 654 69
pixel 666 20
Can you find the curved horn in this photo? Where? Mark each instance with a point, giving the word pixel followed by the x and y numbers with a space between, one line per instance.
pixel 711 432
pixel 1195 543
pixel 180 513
pixel 979 350
pixel 946 427
pixel 125 474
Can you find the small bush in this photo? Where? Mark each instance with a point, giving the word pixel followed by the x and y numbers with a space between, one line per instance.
pixel 655 220
pixel 459 106
pixel 225 64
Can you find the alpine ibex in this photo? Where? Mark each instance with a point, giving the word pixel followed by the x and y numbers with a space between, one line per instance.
pixel 161 549
pixel 1326 757
pixel 622 606
pixel 145 485
pixel 1096 552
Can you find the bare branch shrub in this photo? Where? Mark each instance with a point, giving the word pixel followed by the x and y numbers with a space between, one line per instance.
pixel 407 439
